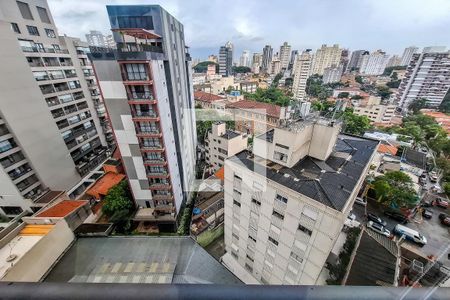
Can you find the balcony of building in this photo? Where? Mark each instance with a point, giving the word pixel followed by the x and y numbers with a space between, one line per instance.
pixel 51 61
pixel 27 183
pixel 6 146
pixel 70 73
pixel 12 161
pixel 92 161
pixel 138 44
pixel 34 62
pixel 157 172
pixel 159 184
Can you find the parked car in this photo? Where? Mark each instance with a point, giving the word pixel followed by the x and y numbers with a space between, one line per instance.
pixel 376 219
pixel 379 228
pixel 398 216
pixel 351 216
pixel 427 214
pixel 433 176
pixel 443 216
pixel 361 201
pixel 410 234
pixel 426 203
pixel 446 221
pixel 441 203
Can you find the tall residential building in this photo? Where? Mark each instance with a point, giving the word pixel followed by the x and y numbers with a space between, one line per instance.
pixel 285 54
pixel 244 60
pixel 51 135
pixel 407 55
pixel 292 59
pixel 226 59
pixel 275 66
pixel 286 202
pixel 345 58
pixel 147 89
pixel 302 69
pixel 266 58
pixel 96 39
pixel 326 57
pixel 213 58
pixel 256 63
pixel 434 49
pixel 109 41
pixel 427 76
pixel 373 63
pixel 332 74
pixel 355 60
pixel 394 60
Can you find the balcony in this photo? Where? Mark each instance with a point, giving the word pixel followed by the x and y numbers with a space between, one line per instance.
pixel 162 197
pixel 27 183
pixel 155 162
pixel 157 174
pixel 145 116
pixel 12 160
pixel 149 133
pixel 160 186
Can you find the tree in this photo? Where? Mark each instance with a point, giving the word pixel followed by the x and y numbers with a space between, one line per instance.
pixel 395 189
pixel 276 80
pixel 359 79
pixel 357 97
pixel 117 204
pixel 343 95
pixel 389 70
pixel 203 66
pixel 383 91
pixel 417 105
pixel 446 186
pixel 354 124
pixel 445 104
pixel 241 69
pixel 272 95
pixel 394 84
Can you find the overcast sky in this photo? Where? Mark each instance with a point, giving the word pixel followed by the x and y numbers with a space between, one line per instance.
pixel 390 25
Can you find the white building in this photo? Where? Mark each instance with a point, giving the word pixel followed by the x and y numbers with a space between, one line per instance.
pixel 286 204
pixel 96 38
pixel 376 113
pixel 407 55
pixel 285 54
pixel 332 74
pixel 302 69
pixel 244 60
pixel 374 63
pixel 326 57
pixel 394 60
pixel 222 143
pixel 275 67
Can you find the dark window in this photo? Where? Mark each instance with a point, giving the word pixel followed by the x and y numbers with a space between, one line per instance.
pixel 50 33
pixel 235 236
pixel 15 27
pixel 145 22
pixel 256 202
pixel 25 10
pixel 278 215
pixel 236 203
pixel 281 198
pixel 274 241
pixel 12 210
pixel 237 177
pixel 282 146
pixel 250 258
pixel 304 229
pixel 249 268
pixel 32 30
pixel 252 238
pixel 296 257
pixel 43 15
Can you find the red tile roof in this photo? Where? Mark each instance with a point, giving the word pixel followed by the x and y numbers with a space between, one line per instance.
pixel 387 149
pixel 206 97
pixel 102 186
pixel 220 173
pixel 271 109
pixel 62 209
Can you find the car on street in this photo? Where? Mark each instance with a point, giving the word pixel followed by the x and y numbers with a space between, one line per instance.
pixel 351 216
pixel 398 216
pixel 410 234
pixel 427 214
pixel 433 176
pixel 426 203
pixel 441 203
pixel 446 221
pixel 376 219
pixel 360 201
pixel 378 228
pixel 443 216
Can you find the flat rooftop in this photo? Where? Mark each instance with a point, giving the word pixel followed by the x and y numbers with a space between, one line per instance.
pixel 230 134
pixel 329 182
pixel 62 209
pixel 139 260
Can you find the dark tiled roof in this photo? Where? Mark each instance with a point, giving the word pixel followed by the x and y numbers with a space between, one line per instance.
pixel 329 182
pixel 229 134
pixel 415 158
pixel 375 261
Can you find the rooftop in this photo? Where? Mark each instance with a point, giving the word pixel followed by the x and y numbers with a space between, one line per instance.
pixel 206 97
pixel 329 182
pixel 102 186
pixel 139 260
pixel 230 134
pixel 62 209
pixel 271 109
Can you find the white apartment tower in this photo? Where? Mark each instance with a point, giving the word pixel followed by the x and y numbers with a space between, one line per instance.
pixel 427 76
pixel 407 55
pixel 244 60
pixel 285 55
pixel 326 57
pixel 96 39
pixel 332 74
pixel 286 203
pixel 301 70
pixel 373 63
pixel 266 58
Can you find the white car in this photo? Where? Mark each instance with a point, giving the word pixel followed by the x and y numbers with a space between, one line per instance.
pixel 360 201
pixel 378 228
pixel 351 216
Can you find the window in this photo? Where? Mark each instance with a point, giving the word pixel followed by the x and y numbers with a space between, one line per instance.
pixel 256 202
pixel 12 210
pixel 273 241
pixel 145 22
pixel 250 258
pixel 282 146
pixel 32 30
pixel 43 15
pixel 236 203
pixel 252 238
pixel 25 10
pixel 281 198
pixel 296 257
pixel 278 215
pixel 5 146
pixel 136 72
pixel 280 156
pixel 15 27
pixel 304 229
pixel 235 236
pixel 237 177
pixel 249 268
pixel 50 33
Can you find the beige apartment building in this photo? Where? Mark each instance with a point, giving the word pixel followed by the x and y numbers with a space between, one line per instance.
pixel 376 112
pixel 302 69
pixel 286 203
pixel 326 57
pixel 222 143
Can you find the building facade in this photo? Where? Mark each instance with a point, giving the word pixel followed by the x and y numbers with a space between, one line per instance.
pixel 96 39
pixel 266 58
pixel 355 60
pixel 53 134
pixel 407 55
pixel 326 57
pixel 285 204
pixel 285 55
pixel 427 76
pixel 332 74
pixel 147 90
pixel 226 59
pixel 373 63
pixel 376 113
pixel 302 70
pixel 244 60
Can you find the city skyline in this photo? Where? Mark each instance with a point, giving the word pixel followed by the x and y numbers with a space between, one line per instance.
pixel 405 23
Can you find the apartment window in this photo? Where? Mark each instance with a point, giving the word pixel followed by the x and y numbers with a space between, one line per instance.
pixel 236 203
pixel 12 210
pixel 136 72
pixel 281 198
pixel 252 238
pixel 235 236
pixel 250 258
pixel 5 146
pixel 249 268
pixel 25 10
pixel 73 120
pixel 304 229
pixel 237 177
pixel 278 215
pixel 145 22
pixel 50 33
pixel 296 257
pixel 256 202
pixel 15 27
pixel 280 156
pixel 234 254
pixel 282 146
pixel 273 241
pixel 32 30
pixel 43 15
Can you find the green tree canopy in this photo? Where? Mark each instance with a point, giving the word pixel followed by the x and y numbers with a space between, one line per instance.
pixel 395 189
pixel 271 95
pixel 416 105
pixel 117 203
pixel 383 91
pixel 445 104
pixel 354 124
pixel 343 95
pixel 201 67
pixel 359 79
pixel 241 69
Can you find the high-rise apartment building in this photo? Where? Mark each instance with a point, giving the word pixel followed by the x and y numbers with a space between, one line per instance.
pixel 109 41
pixel 266 58
pixel 292 59
pixel 345 58
pixel 434 49
pixel 286 203
pixel 256 63
pixel 285 54
pixel 244 60
pixel 96 39
pixel 373 63
pixel 326 57
pixel 427 76
pixel 394 60
pixel 226 59
pixel 147 89
pixel 355 60
pixel 52 136
pixel 302 70
pixel 332 74
pixel 407 55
